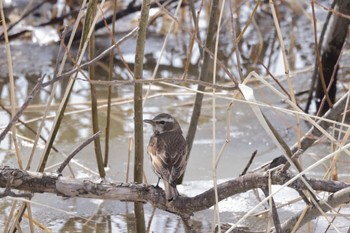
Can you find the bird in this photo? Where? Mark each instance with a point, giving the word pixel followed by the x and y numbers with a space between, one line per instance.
pixel 167 150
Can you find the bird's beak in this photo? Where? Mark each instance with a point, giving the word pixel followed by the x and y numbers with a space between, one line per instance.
pixel 149 121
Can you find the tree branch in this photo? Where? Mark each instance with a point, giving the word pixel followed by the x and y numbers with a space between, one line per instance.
pixel 36 182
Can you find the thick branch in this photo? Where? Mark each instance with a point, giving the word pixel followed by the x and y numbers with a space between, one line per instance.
pixel 36 182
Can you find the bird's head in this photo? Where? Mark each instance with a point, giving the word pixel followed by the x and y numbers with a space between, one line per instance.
pixel 163 123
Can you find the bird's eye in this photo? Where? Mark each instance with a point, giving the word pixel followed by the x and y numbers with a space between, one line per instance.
pixel 162 122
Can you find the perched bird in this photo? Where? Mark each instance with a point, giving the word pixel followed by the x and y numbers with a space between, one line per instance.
pixel 167 150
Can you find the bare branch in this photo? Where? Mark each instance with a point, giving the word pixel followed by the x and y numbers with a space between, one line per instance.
pixel 183 206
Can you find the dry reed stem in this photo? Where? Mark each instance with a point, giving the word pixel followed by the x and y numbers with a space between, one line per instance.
pixel 214 156
pixel 286 67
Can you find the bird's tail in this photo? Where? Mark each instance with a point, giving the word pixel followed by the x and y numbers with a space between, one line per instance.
pixel 171 192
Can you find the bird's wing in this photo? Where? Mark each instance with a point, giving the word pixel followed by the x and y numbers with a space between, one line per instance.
pixel 168 156
pixel 155 151
pixel 176 157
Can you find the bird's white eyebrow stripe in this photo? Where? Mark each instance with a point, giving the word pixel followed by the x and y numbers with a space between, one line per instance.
pixel 165 119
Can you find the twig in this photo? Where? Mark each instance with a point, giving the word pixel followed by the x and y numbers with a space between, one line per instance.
pixel 251 17
pixel 275 79
pixel 33 93
pixel 249 163
pixel 76 151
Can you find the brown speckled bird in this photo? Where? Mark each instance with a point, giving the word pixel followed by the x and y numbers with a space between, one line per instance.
pixel 167 150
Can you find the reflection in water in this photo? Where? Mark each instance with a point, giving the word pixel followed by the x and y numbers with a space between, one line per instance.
pixel 103 220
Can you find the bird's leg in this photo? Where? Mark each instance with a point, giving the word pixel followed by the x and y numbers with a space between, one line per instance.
pixel 157 186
